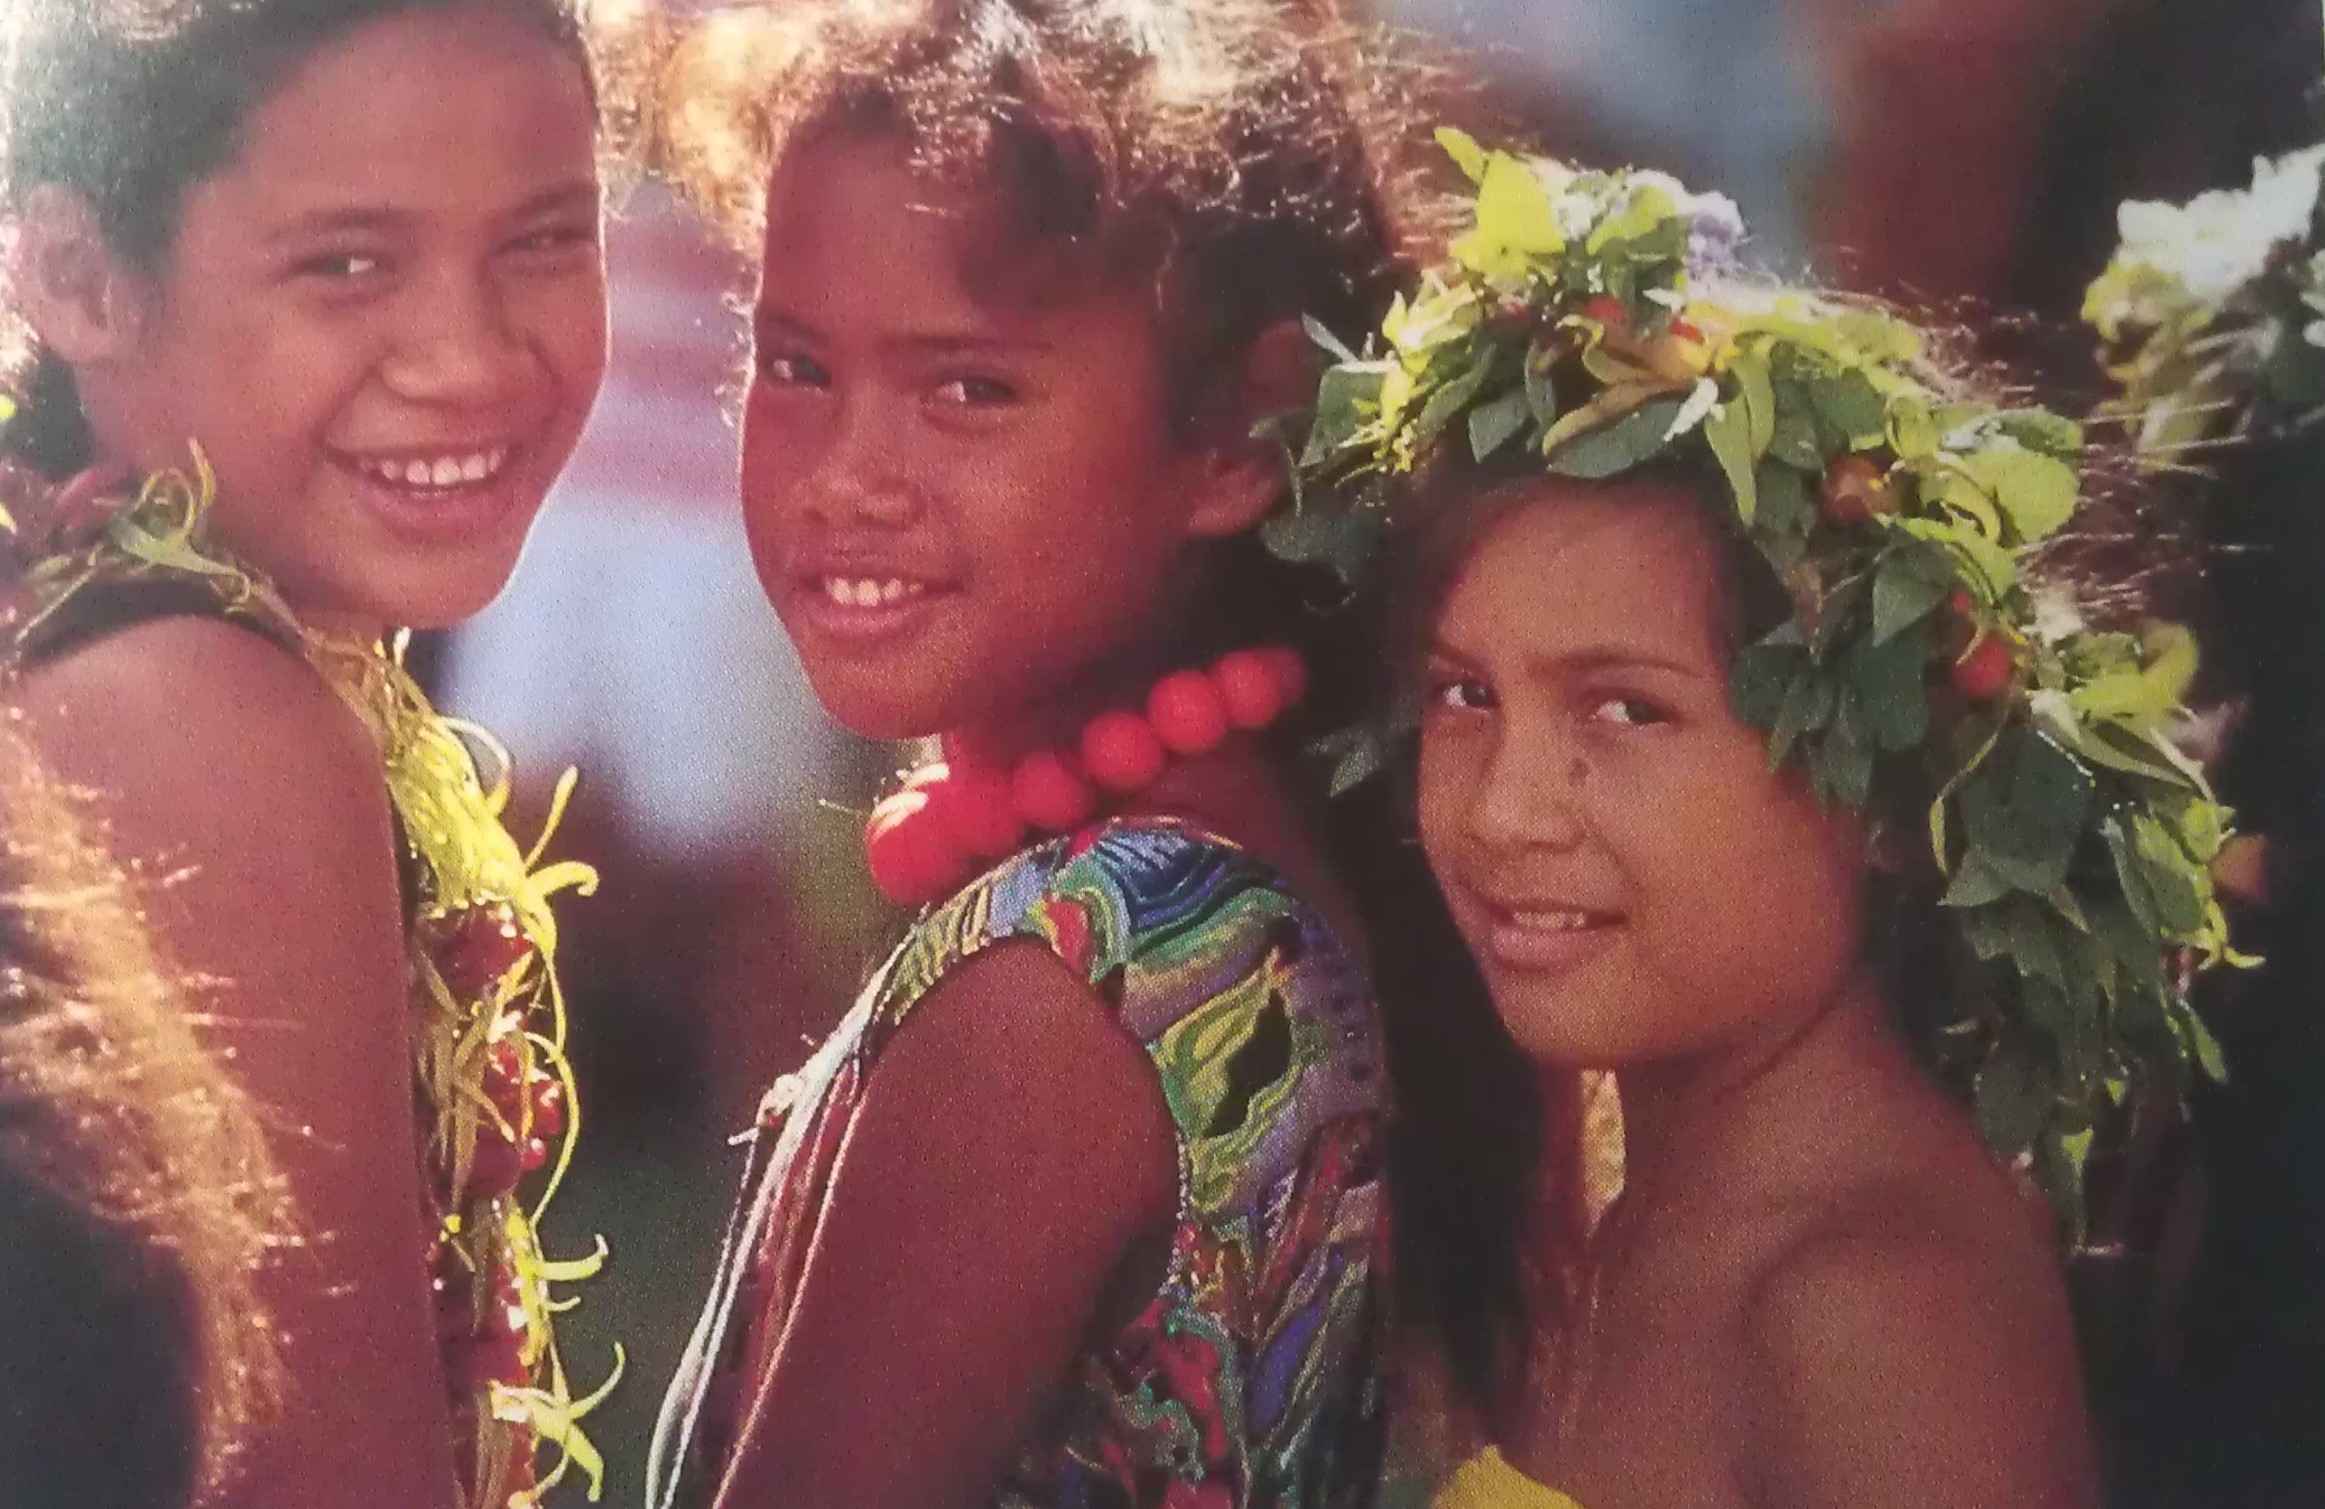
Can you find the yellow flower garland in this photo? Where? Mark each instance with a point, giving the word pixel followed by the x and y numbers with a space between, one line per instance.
pixel 470 1022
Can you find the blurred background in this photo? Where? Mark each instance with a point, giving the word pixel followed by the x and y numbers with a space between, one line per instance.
pixel 1964 155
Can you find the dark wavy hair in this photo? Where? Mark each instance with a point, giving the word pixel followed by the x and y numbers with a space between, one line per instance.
pixel 130 103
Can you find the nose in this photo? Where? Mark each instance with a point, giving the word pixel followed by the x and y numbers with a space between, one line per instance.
pixel 1527 796
pixel 858 476
pixel 459 345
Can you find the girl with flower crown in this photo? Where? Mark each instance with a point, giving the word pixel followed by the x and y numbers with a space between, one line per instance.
pixel 1079 1205
pixel 312 310
pixel 1760 771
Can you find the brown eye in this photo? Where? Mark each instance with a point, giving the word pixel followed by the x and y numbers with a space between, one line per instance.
pixel 1460 694
pixel 792 369
pixel 1628 712
pixel 975 391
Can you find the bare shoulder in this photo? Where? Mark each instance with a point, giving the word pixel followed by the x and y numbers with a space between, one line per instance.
pixel 1914 1346
pixel 220 760
pixel 151 695
pixel 1011 1043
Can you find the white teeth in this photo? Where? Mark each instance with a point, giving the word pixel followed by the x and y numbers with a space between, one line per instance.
pixel 437 471
pixel 1551 922
pixel 868 592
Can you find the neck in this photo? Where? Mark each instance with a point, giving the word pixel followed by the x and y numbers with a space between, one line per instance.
pixel 1755 1115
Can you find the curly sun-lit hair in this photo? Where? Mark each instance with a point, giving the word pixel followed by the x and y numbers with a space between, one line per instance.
pixel 1244 154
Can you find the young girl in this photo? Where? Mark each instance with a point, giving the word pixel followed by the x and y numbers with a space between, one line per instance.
pixel 1079 1204
pixel 136 1193
pixel 312 313
pixel 1722 602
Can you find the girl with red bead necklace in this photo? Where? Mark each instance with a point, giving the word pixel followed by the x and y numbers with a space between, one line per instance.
pixel 1079 1204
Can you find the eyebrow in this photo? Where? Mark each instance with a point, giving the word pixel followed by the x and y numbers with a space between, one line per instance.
pixel 1586 660
pixel 929 343
pixel 570 194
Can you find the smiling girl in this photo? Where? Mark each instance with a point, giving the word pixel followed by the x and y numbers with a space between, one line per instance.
pixel 1079 1205
pixel 311 312
pixel 1759 770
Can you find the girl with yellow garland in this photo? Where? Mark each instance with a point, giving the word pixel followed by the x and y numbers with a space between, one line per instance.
pixel 1761 771
pixel 312 310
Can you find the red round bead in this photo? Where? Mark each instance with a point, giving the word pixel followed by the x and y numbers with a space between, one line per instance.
pixel 911 859
pixel 535 1154
pixel 504 1076
pixel 1121 752
pixel 974 805
pixel 1049 793
pixel 1248 686
pixel 1187 712
pixel 1290 671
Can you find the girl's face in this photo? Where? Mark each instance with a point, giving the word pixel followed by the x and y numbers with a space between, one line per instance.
pixel 965 511
pixel 384 320
pixel 1635 883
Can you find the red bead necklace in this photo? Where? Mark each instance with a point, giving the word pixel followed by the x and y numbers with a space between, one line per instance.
pixel 963 811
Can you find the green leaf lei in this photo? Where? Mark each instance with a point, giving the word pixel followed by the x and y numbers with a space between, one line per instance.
pixel 488 1018
pixel 2213 312
pixel 1595 320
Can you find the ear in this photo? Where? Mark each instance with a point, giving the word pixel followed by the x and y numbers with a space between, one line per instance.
pixel 1243 472
pixel 73 289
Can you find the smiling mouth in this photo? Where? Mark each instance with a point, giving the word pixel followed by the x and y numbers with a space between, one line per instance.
pixel 1544 937
pixel 444 472
pixel 870 591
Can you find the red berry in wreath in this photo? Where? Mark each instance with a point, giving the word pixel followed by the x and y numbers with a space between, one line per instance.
pixel 1984 671
pixel 534 1155
pixel 1188 713
pixel 548 1106
pixel 1049 793
pixel 1249 688
pixel 1855 489
pixel 1121 752
pixel 496 1165
pixel 1609 311
pixel 504 1076
pixel 478 947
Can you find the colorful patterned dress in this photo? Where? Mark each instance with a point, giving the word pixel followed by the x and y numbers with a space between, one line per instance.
pixel 1252 1377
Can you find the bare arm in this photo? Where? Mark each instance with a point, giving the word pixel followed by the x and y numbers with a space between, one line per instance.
pixel 1909 1371
pixel 219 758
pixel 1012 1148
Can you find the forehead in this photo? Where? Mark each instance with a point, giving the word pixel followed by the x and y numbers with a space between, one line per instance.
pixel 1570 569
pixel 857 238
pixel 435 106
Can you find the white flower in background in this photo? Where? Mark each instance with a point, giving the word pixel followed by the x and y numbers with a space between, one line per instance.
pixel 2056 615
pixel 1715 227
pixel 2221 240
